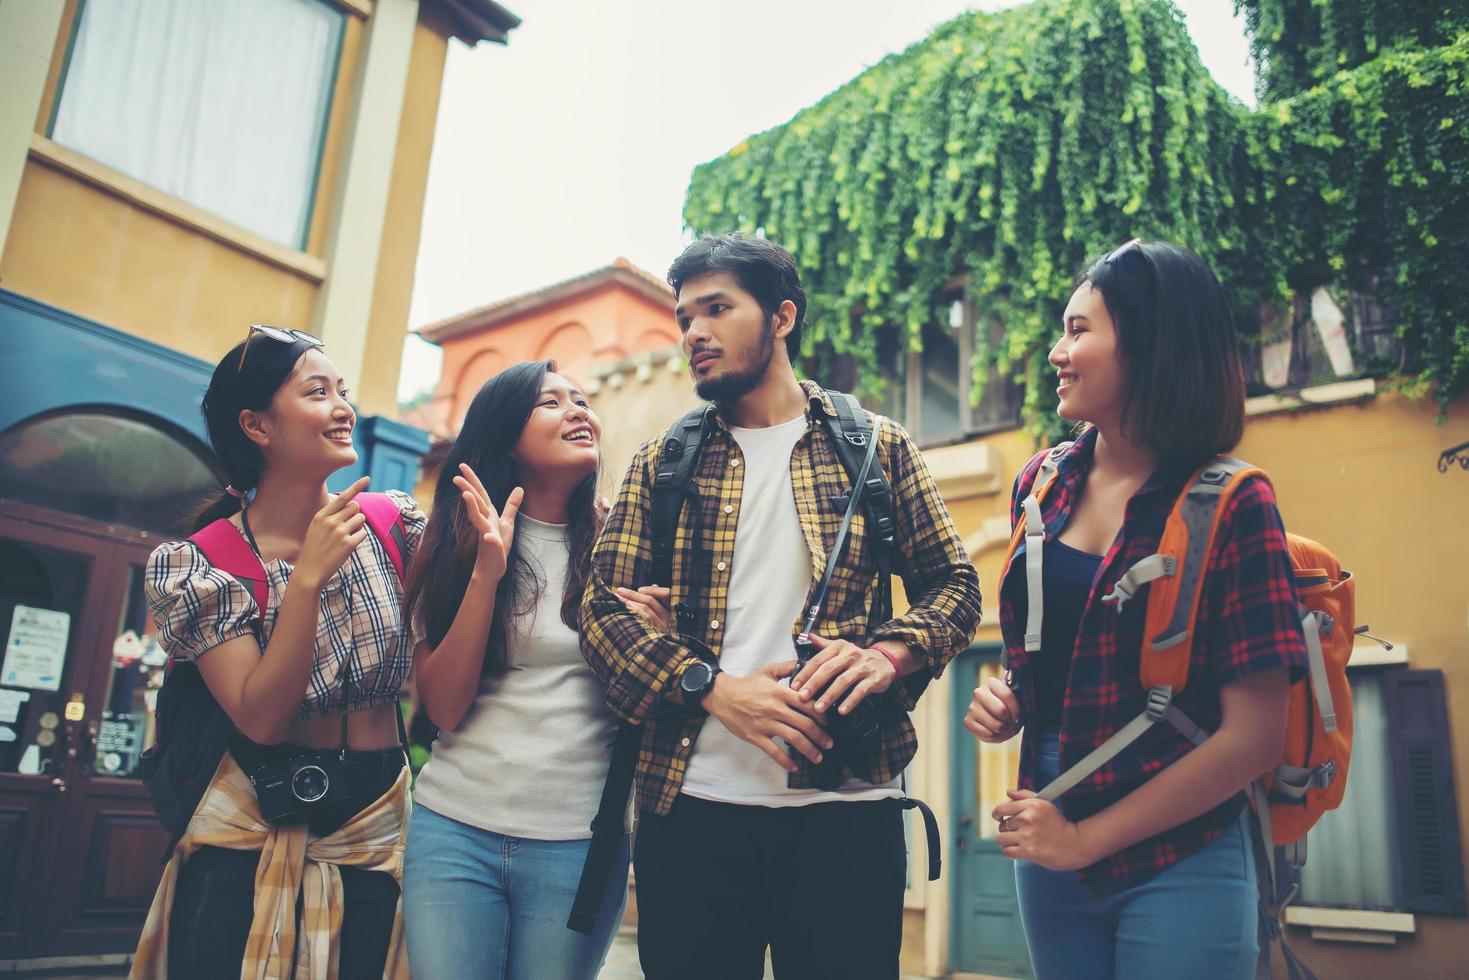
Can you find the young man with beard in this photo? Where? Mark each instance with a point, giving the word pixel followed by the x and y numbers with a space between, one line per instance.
pixel 739 846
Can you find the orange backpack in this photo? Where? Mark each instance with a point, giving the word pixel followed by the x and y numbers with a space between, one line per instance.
pixel 1311 776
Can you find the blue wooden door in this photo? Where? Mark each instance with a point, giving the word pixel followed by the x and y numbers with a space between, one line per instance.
pixel 985 931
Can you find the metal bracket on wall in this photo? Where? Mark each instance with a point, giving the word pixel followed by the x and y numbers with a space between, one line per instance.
pixel 1456 454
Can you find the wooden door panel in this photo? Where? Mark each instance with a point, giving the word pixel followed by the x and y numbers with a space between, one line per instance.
pixel 21 827
pixel 123 865
pixel 112 872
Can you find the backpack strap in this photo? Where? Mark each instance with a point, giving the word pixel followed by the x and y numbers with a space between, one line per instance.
pixel 1031 529
pixel 851 431
pixel 226 549
pixel 676 459
pixel 1179 568
pixel 386 522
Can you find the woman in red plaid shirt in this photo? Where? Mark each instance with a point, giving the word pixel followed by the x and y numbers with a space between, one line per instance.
pixel 1146 867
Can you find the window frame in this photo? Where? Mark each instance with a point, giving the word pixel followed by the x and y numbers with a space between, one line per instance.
pixel 285 254
pixel 969 428
pixel 1343 922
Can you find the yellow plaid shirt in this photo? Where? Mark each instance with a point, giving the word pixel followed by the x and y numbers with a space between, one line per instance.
pixel 641 666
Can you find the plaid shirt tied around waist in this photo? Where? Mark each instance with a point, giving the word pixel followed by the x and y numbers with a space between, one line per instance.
pixel 641 666
pixel 1247 623
pixel 299 903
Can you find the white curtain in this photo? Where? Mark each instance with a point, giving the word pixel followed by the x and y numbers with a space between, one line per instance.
pixel 1352 853
pixel 221 103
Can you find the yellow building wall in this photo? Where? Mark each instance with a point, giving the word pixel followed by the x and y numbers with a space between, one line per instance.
pixel 387 328
pixel 88 251
pixel 637 399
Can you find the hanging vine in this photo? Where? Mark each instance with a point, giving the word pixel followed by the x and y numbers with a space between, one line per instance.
pixel 1011 147
pixel 1301 43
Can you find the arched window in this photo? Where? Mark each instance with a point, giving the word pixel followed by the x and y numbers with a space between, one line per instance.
pixel 109 467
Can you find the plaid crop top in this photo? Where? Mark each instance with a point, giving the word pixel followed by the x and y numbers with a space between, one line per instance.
pixel 362 640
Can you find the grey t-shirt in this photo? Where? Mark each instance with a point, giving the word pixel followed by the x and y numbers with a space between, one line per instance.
pixel 530 758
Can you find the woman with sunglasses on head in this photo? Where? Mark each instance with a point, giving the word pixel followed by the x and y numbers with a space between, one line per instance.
pixel 260 880
pixel 1145 868
pixel 503 809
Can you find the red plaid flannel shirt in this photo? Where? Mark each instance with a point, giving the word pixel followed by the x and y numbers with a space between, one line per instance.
pixel 1247 622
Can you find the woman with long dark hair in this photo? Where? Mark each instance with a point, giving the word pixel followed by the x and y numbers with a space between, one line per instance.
pixel 503 809
pixel 1145 867
pixel 261 880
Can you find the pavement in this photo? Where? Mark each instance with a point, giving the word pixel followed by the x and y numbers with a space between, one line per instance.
pixel 622 964
pixel 622 960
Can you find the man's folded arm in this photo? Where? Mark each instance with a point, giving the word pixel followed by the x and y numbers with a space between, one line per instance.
pixel 638 663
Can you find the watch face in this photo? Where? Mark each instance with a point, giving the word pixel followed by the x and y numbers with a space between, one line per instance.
pixel 696 677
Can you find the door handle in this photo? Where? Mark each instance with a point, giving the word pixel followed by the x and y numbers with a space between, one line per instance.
pixel 58 784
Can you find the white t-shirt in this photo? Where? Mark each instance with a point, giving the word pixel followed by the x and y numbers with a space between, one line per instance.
pixel 771 575
pixel 531 756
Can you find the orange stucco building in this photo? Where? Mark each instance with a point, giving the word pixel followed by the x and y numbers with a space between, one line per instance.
pixel 601 317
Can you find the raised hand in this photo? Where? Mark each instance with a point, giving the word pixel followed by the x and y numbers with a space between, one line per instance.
pixel 496 529
pixel 333 533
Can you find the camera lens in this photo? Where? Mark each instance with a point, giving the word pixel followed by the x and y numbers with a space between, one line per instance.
pixel 309 784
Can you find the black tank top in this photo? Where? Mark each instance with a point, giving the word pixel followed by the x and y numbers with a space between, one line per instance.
pixel 1067 579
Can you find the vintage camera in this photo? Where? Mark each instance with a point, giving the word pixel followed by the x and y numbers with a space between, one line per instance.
pixel 291 790
pixel 855 735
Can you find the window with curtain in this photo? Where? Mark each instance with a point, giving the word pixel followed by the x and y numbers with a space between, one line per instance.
pixel 1352 858
pixel 220 103
pixel 932 391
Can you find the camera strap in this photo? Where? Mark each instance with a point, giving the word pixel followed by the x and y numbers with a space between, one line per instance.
pixel 854 499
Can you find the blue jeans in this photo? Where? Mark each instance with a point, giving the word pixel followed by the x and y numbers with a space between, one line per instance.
pixel 483 905
pixel 1197 919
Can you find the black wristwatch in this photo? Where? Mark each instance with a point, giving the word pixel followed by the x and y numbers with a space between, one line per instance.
pixel 696 681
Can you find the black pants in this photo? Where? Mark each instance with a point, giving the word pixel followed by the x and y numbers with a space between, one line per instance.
pixel 821 885
pixel 214 904
pixel 214 899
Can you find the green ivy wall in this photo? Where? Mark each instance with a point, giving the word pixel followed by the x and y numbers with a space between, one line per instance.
pixel 1011 147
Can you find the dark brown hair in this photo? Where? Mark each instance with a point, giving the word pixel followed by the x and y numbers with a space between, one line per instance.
pixel 763 269
pixel 445 558
pixel 1184 389
pixel 232 390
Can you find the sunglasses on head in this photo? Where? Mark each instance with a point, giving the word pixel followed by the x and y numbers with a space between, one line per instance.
pixel 1131 245
pixel 284 335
